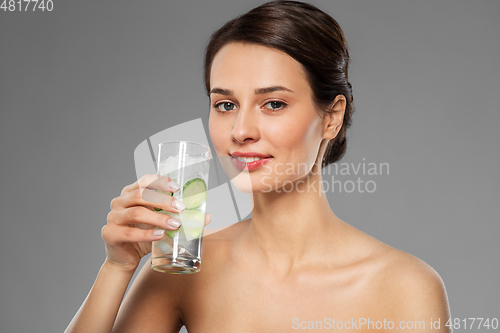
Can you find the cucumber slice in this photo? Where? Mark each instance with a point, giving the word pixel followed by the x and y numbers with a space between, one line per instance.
pixel 194 193
pixel 192 223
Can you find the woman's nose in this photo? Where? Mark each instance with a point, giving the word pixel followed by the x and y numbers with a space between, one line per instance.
pixel 246 126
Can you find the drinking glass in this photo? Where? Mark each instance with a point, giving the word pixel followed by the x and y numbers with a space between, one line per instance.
pixel 187 163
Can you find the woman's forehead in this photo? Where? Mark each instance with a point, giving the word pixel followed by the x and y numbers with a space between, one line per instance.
pixel 254 65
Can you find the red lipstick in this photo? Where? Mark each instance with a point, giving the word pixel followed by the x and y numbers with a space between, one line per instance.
pixel 250 165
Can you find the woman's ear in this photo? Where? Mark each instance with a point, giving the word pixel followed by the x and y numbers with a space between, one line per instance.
pixel 334 118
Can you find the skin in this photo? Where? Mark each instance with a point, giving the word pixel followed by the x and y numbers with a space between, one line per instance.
pixel 295 262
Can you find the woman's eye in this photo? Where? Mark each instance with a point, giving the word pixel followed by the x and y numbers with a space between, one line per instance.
pixel 275 105
pixel 225 106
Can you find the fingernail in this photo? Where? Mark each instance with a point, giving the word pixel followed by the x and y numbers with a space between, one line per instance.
pixel 173 223
pixel 178 205
pixel 173 185
pixel 159 232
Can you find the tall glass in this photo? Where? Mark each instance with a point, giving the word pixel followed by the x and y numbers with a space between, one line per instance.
pixel 187 163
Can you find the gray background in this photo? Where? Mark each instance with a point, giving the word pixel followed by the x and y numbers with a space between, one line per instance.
pixel 83 85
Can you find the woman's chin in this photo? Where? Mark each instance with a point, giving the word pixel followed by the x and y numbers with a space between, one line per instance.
pixel 247 184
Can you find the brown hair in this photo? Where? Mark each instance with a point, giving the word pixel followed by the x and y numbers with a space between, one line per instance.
pixel 308 35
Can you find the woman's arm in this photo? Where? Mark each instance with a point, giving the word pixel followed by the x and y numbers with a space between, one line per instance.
pixel 152 303
pixel 148 307
pixel 128 236
pixel 98 311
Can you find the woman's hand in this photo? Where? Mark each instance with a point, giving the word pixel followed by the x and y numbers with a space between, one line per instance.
pixel 132 220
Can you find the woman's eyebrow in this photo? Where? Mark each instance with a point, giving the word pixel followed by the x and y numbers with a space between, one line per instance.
pixel 221 91
pixel 258 91
pixel 271 89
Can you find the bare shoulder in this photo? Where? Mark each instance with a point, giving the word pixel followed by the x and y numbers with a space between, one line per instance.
pixel 408 288
pixel 397 284
pixel 400 275
pixel 409 273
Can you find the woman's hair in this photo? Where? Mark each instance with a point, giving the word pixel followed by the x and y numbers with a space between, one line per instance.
pixel 308 35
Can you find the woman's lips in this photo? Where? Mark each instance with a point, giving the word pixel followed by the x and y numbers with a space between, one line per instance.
pixel 250 165
pixel 242 165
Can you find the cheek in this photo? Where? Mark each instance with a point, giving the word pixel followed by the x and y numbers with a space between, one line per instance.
pixel 303 144
pixel 297 138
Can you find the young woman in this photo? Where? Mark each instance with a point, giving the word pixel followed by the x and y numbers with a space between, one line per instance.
pixel 277 79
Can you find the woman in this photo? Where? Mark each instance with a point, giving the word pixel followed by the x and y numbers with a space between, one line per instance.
pixel 277 79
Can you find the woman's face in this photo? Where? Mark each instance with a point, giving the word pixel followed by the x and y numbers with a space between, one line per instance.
pixel 262 106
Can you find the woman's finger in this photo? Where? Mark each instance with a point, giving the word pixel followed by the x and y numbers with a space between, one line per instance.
pixel 116 235
pixel 148 197
pixel 142 215
pixel 152 181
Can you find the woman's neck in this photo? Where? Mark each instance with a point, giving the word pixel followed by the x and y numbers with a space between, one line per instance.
pixel 290 224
